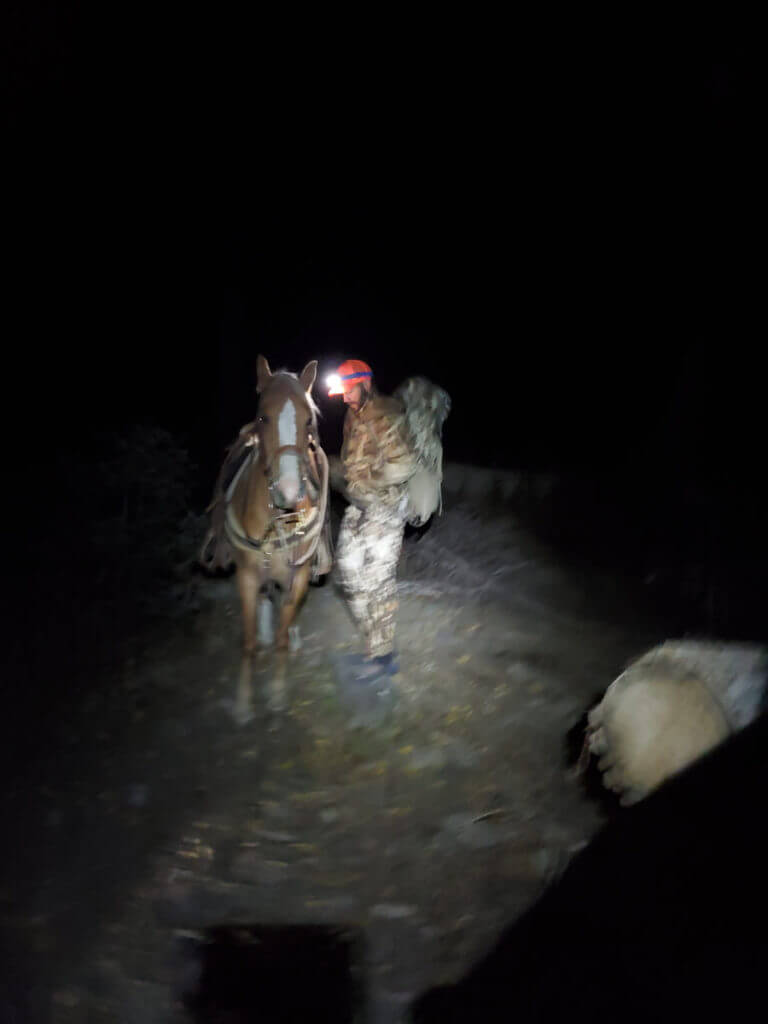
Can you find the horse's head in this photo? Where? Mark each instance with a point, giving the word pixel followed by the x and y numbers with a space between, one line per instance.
pixel 286 424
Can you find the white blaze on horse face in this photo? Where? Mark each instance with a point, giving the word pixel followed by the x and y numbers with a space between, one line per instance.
pixel 289 482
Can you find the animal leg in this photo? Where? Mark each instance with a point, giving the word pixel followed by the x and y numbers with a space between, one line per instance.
pixel 288 610
pixel 248 586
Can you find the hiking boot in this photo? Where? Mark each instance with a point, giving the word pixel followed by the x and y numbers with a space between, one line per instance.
pixel 387 664
pixel 366 688
pixel 370 668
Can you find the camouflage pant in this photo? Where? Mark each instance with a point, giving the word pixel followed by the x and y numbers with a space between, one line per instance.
pixel 367 553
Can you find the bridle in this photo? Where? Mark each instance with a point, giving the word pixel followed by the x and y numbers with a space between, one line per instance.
pixel 287 528
pixel 307 476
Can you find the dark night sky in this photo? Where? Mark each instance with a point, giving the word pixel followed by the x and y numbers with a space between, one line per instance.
pixel 563 242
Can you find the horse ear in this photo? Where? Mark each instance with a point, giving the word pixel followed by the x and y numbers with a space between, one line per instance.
pixel 263 373
pixel 308 375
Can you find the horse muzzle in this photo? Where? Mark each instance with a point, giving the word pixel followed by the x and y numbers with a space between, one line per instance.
pixel 288 491
pixel 292 479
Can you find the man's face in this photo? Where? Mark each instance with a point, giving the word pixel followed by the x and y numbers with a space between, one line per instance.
pixel 355 397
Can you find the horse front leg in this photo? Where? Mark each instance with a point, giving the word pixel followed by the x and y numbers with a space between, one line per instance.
pixel 288 610
pixel 248 585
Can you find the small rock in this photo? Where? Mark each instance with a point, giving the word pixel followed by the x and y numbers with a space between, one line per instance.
pixel 392 911
pixel 329 815
pixel 273 836
pixel 332 905
pixel 429 757
pixel 273 809
pixel 137 795
pixel 251 867
pixel 460 753
pixel 474 834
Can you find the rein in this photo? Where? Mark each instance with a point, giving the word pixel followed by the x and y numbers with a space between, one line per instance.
pixel 293 449
pixel 305 529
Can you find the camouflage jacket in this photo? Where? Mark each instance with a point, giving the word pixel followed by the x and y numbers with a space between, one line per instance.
pixel 376 456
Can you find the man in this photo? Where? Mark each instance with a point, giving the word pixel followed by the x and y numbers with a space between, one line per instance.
pixel 376 463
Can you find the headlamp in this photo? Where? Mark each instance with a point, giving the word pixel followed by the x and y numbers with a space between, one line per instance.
pixel 335 386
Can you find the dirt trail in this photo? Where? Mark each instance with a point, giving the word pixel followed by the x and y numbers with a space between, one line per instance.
pixel 426 835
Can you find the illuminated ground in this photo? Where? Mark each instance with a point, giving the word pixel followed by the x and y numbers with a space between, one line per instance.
pixel 429 834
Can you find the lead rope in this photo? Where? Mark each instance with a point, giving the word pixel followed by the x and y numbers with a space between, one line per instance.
pixel 322 458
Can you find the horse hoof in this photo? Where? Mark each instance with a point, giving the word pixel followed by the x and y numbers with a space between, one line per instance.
pixel 277 697
pixel 242 716
pixel 294 639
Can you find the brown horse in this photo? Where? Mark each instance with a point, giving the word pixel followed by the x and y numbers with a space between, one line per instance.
pixel 274 521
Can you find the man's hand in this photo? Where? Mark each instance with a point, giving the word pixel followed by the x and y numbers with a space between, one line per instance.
pixel 338 483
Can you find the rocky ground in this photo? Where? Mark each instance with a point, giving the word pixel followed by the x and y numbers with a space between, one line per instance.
pixel 153 817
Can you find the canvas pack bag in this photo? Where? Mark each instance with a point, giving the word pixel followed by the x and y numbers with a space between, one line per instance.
pixel 426 409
